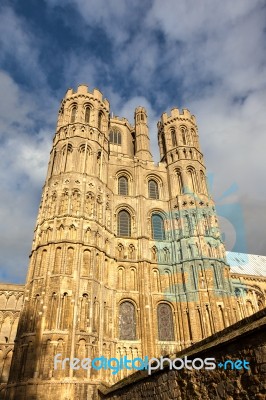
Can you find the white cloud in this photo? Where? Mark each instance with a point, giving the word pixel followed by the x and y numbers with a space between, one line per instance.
pixel 116 17
pixel 211 53
pixel 23 163
pixel 18 43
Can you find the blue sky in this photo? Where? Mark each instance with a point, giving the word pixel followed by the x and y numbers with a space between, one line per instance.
pixel 208 56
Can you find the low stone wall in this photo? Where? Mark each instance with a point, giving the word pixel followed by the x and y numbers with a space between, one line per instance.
pixel 245 340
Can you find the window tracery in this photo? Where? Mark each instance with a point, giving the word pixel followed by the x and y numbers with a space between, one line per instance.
pixel 165 322
pixel 127 321
pixel 115 136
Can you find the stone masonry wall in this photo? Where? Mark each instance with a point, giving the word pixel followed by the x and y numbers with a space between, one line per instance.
pixel 245 340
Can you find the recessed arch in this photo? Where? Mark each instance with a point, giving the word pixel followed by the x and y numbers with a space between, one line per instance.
pixel 192 178
pixel 203 185
pixel 178 181
pixel 127 320
pixel 173 136
pixel 73 112
pixel 165 322
pixel 87 112
pixel 121 277
pixel 100 119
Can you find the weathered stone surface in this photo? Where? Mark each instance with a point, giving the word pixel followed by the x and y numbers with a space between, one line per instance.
pixel 243 341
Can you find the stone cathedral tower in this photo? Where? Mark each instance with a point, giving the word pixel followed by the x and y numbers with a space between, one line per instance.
pixel 127 257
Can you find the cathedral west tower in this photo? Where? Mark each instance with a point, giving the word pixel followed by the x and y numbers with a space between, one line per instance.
pixel 127 257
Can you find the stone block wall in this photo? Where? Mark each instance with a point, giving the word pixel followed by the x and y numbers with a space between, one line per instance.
pixel 245 340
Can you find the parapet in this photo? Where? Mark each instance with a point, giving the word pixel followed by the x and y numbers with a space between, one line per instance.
pixel 120 120
pixel 176 114
pixel 140 109
pixel 83 90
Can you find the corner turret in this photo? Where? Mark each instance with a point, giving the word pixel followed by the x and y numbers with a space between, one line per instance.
pixel 142 149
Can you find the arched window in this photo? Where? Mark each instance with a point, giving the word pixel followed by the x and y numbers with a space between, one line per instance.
pixel 123 185
pixel 180 188
pixel 153 189
pixel 124 224
pixel 184 135
pixel 69 158
pixel 165 322
pixel 41 267
pixel 52 312
pixel 35 309
pixel 203 182
pixel 127 321
pixel 100 119
pixel 192 182
pixel 115 136
pixel 64 312
pixel 57 261
pixel 163 144
pixel 157 227
pixel 87 114
pixel 86 263
pixel 73 114
pixel 121 278
pixel 193 138
pixel 84 312
pixel 173 137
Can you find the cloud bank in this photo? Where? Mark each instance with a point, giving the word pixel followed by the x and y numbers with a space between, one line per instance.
pixel 207 56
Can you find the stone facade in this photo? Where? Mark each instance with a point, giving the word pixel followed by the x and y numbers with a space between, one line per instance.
pixel 127 257
pixel 11 300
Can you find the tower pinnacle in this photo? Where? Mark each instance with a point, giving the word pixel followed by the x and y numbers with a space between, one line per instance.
pixel 142 135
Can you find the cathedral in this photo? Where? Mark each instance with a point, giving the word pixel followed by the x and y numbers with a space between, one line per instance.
pixel 127 256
